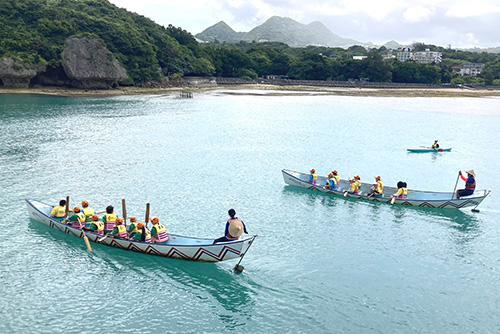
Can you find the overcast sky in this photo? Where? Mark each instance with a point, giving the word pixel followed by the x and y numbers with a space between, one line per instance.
pixel 459 23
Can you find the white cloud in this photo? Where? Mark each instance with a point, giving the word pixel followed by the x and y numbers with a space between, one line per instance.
pixel 418 14
pixel 439 22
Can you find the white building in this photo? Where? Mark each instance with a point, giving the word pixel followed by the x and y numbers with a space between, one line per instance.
pixel 425 57
pixel 472 69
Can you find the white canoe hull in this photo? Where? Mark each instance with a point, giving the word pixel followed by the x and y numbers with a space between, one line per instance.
pixel 423 199
pixel 187 248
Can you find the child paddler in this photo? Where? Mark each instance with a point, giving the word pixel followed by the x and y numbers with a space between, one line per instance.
pixel 88 212
pixel 77 218
pixel 158 231
pixel 96 225
pixel 377 189
pixel 109 219
pixel 142 233
pixel 132 228
pixel 59 212
pixel 119 230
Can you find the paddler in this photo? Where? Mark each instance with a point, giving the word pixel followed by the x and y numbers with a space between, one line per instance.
pixel 313 177
pixel 402 191
pixel 119 230
pixel 109 219
pixel 96 225
pixel 59 212
pixel 77 217
pixel 332 181
pixel 158 231
pixel 132 228
pixel 470 183
pixel 234 228
pixel 377 188
pixel 435 146
pixel 88 212
pixel 355 186
pixel 142 233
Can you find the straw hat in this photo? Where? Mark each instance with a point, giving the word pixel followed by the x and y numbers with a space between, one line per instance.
pixel 471 172
pixel 235 228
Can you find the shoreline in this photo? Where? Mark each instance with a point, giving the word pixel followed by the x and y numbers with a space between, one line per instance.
pixel 259 89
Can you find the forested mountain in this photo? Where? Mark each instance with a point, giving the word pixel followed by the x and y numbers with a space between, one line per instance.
pixel 220 32
pixel 34 31
pixel 279 29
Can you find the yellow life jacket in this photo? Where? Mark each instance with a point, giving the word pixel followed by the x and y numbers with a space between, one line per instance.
pixel 81 216
pixel 337 179
pixel 380 188
pixel 135 229
pixel 59 211
pixel 358 184
pixel 315 176
pixel 110 217
pixel 88 212
pixel 99 225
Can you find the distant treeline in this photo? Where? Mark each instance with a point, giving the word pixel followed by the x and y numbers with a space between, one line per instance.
pixel 34 31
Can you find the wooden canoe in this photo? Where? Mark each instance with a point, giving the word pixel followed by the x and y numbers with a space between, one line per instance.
pixel 187 248
pixel 416 198
pixel 425 150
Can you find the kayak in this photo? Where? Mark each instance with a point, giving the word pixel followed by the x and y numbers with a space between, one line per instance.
pixel 424 150
pixel 416 198
pixel 187 248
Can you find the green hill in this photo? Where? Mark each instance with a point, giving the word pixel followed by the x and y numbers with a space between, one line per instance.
pixel 34 31
pixel 220 32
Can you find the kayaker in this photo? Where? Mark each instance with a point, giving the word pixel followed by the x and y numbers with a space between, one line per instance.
pixel 313 177
pixel 109 219
pixel 158 231
pixel 77 217
pixel 234 228
pixel 132 228
pixel 470 183
pixel 377 188
pixel 402 191
pixel 435 146
pixel 142 233
pixel 96 225
pixel 119 230
pixel 59 212
pixel 88 212
pixel 355 186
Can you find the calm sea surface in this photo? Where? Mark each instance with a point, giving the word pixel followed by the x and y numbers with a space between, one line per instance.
pixel 325 264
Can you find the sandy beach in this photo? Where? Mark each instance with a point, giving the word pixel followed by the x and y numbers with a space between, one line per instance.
pixel 260 89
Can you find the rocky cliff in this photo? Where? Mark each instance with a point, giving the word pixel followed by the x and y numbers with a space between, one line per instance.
pixel 89 65
pixel 15 74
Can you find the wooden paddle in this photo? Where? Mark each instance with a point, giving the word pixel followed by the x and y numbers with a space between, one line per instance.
pixel 101 239
pixel 455 189
pixel 85 238
pixel 393 200
pixel 237 267
pixel 147 214
pixel 124 210
pixel 67 204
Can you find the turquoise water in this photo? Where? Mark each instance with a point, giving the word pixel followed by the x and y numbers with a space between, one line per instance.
pixel 324 264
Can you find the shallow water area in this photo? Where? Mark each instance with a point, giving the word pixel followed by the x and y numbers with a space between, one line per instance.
pixel 323 264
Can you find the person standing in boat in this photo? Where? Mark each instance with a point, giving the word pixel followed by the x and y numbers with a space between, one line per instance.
pixel 59 212
pixel 158 231
pixel 142 233
pixel 470 183
pixel 402 191
pixel 378 187
pixel 109 219
pixel 119 230
pixel 88 212
pixel 313 177
pixel 77 218
pixel 435 146
pixel 234 228
pixel 96 225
